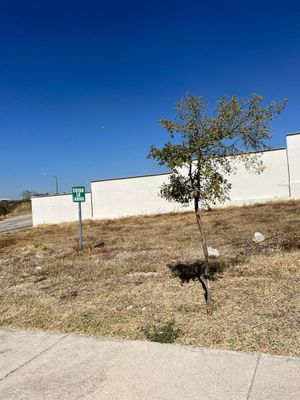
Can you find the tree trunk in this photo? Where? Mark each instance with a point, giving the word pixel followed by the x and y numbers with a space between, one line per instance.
pixel 206 281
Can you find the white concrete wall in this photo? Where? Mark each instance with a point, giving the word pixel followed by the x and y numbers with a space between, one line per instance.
pixel 130 196
pixel 58 208
pixel 271 184
pixel 293 153
pixel 140 195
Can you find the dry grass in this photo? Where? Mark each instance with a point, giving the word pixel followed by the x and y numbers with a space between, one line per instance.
pixel 21 208
pixel 120 287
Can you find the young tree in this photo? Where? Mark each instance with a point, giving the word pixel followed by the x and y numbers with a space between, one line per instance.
pixel 205 149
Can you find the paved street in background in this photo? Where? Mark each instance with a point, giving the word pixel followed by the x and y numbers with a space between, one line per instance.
pixel 41 365
pixel 16 223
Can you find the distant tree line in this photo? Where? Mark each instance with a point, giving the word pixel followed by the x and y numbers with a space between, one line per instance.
pixel 8 206
pixel 27 194
pixel 5 207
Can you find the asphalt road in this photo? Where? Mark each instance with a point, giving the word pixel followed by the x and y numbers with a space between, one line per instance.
pixel 16 223
pixel 50 366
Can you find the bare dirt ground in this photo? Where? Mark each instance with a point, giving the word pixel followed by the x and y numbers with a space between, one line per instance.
pixel 138 273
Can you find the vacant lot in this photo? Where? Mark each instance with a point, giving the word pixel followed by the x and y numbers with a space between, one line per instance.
pixel 137 273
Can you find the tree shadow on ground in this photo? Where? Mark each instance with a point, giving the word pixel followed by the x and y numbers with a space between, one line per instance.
pixel 193 271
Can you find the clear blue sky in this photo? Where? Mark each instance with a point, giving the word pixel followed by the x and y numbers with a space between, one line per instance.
pixel 83 83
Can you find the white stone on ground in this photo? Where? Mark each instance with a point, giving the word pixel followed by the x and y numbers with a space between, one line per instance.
pixel 213 252
pixel 258 237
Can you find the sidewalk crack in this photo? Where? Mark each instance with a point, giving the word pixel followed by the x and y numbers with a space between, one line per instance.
pixel 253 377
pixel 33 358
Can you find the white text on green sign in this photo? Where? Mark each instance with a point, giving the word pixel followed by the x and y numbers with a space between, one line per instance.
pixel 78 194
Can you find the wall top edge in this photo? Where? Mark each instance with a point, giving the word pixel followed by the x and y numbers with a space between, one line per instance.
pixel 130 177
pixel 54 195
pixel 293 133
pixel 258 151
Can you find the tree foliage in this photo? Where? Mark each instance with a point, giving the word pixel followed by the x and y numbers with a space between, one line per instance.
pixel 201 158
pixel 5 208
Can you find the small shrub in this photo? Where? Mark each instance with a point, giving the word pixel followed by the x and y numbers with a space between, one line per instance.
pixel 166 333
pixel 5 208
pixel 290 241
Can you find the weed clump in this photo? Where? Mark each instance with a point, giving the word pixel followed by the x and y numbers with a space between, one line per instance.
pixel 166 333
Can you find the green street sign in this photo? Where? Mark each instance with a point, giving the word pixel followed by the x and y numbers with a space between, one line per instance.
pixel 78 194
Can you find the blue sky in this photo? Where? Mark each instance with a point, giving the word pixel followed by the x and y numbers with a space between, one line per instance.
pixel 83 83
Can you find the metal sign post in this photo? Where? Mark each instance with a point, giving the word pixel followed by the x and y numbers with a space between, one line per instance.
pixel 78 196
pixel 80 226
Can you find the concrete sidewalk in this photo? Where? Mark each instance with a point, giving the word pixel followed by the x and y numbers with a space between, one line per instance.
pixel 38 365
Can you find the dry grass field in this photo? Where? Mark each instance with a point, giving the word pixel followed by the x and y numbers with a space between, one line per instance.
pixel 137 273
